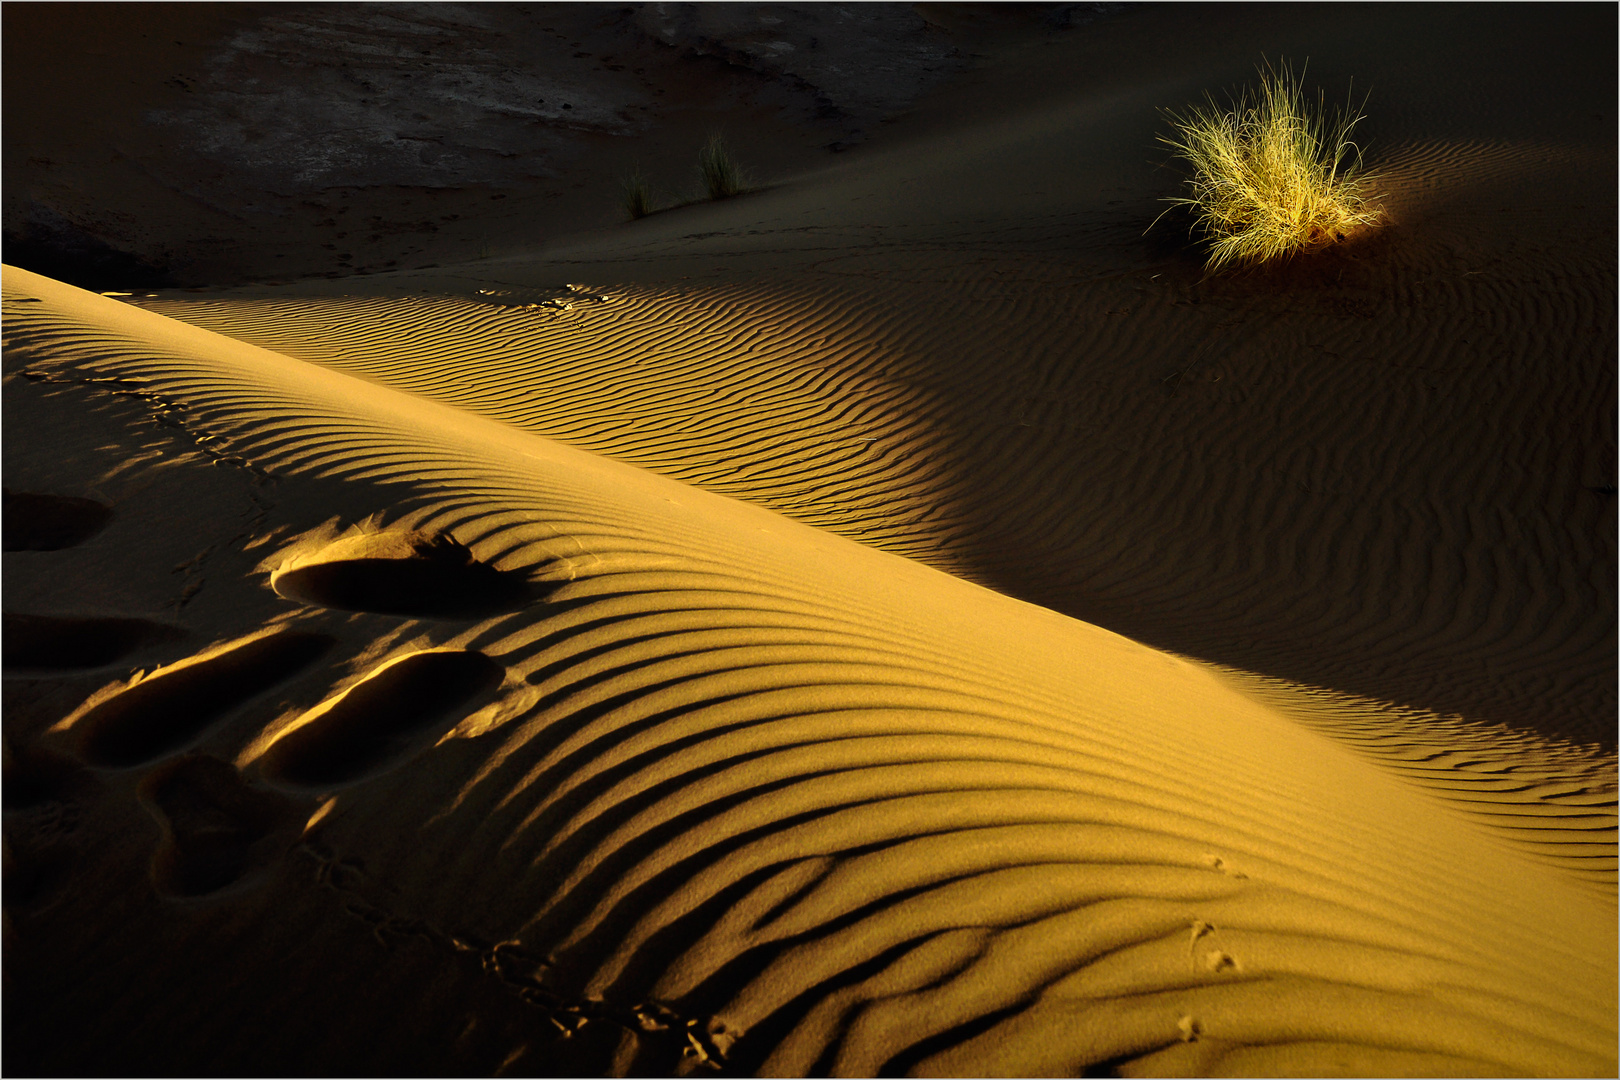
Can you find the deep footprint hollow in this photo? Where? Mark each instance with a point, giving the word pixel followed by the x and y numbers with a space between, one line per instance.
pixel 66 643
pixel 402 573
pixel 379 721
pixel 35 521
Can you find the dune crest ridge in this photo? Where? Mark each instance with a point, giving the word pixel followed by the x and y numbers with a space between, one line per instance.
pixel 771 799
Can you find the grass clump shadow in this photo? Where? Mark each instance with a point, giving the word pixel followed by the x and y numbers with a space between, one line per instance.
pixel 1271 176
pixel 721 176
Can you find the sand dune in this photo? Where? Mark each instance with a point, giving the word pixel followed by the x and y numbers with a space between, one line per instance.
pixel 1388 472
pixel 771 797
pixel 904 621
pixel 1018 421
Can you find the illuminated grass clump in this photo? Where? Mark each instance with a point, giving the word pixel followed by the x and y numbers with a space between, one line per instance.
pixel 1271 177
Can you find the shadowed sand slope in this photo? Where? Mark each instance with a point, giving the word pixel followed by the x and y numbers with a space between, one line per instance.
pixel 693 783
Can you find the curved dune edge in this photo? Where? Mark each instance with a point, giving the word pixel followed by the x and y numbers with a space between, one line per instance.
pixel 1555 802
pixel 818 807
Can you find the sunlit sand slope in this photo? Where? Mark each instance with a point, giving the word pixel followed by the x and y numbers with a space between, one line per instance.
pixel 679 768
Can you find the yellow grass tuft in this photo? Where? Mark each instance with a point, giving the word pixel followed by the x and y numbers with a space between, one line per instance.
pixel 1271 177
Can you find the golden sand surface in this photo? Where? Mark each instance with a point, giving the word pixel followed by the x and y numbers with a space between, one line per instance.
pixel 901 621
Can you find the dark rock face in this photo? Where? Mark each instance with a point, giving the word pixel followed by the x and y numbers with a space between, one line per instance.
pixel 235 153
pixel 48 243
pixel 858 63
pixel 350 95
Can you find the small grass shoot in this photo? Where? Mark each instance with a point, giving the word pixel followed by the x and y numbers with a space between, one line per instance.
pixel 1271 176
pixel 636 195
pixel 721 176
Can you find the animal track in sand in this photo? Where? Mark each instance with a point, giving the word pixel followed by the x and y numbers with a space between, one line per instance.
pixel 35 521
pixel 152 716
pixel 401 572
pixel 64 643
pixel 216 828
pixel 381 719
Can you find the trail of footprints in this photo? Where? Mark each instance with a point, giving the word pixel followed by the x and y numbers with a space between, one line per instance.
pixel 151 718
pixel 217 827
pixel 38 521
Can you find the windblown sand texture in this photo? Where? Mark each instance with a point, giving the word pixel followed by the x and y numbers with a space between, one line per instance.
pixel 899 622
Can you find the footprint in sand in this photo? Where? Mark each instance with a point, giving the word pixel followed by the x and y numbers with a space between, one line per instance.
pixel 147 718
pixel 58 643
pixel 402 572
pixel 216 829
pixel 376 723
pixel 34 521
